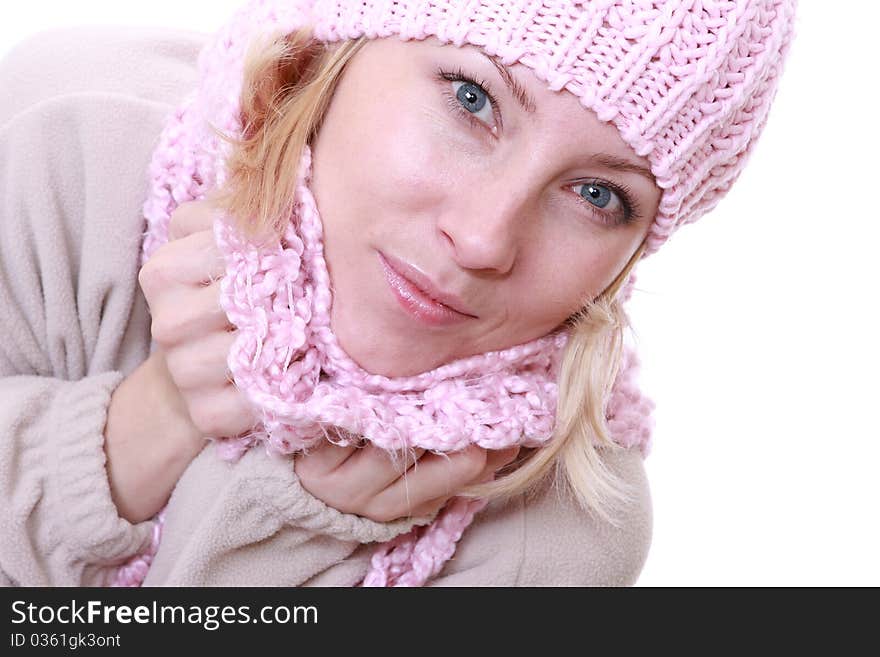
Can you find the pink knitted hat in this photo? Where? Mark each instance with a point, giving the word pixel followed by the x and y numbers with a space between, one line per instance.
pixel 687 83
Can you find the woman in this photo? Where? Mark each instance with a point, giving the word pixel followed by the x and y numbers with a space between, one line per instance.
pixel 490 189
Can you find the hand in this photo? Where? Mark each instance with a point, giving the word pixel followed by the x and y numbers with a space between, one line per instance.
pixel 365 481
pixel 182 287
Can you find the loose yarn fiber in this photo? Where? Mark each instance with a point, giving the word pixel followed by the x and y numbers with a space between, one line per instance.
pixel 687 83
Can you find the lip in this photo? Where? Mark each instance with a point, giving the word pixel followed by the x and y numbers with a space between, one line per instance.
pixel 420 296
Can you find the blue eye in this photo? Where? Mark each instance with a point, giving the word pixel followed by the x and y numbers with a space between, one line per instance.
pixel 472 100
pixel 598 195
pixel 471 96
pixel 613 205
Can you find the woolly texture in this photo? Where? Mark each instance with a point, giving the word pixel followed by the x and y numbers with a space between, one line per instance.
pixel 687 83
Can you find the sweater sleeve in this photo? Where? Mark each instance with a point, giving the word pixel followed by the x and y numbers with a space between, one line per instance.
pixel 251 523
pixel 59 524
pixel 73 160
pixel 63 314
pixel 551 541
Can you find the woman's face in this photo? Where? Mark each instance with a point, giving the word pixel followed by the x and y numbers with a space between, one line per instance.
pixel 519 215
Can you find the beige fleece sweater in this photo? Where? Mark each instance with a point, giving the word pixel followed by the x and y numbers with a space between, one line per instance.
pixel 80 113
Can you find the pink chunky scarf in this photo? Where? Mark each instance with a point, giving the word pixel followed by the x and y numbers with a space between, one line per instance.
pixel 288 363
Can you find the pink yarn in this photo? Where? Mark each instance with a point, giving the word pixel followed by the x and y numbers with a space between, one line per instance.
pixel 688 84
pixel 133 572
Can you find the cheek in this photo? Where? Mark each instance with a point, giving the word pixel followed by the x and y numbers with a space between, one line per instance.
pixel 421 152
pixel 394 160
pixel 617 256
pixel 393 139
pixel 407 168
pixel 577 274
pixel 576 283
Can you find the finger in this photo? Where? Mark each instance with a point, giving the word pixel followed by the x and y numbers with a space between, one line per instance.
pixel 498 458
pixel 322 459
pixel 191 217
pixel 374 468
pixel 221 412
pixel 429 508
pixel 193 261
pixel 434 476
pixel 188 313
pixel 201 363
pixel 196 258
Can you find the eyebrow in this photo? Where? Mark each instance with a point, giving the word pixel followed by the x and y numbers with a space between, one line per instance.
pixel 620 164
pixel 526 101
pixel 516 89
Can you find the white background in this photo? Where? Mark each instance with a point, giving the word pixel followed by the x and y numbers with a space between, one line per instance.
pixel 757 326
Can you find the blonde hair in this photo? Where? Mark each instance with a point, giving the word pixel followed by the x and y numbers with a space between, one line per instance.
pixel 288 83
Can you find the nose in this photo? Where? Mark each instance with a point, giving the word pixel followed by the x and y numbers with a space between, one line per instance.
pixel 485 226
